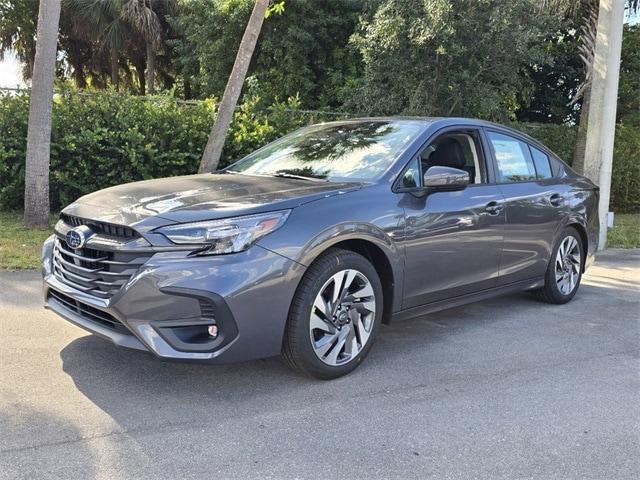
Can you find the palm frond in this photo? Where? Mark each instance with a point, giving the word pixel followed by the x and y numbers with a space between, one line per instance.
pixel 140 15
pixel 112 35
pixel 587 45
pixel 566 7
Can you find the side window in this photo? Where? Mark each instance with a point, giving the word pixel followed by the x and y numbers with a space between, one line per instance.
pixel 411 177
pixel 513 159
pixel 456 150
pixel 541 161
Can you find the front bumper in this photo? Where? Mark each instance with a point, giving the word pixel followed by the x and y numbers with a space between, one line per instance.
pixel 167 305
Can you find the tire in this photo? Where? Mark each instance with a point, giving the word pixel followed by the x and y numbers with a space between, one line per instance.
pixel 327 339
pixel 562 291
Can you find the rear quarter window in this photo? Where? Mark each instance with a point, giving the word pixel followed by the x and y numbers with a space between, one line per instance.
pixel 542 163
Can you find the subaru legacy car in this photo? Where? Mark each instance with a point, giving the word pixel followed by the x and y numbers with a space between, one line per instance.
pixel 306 246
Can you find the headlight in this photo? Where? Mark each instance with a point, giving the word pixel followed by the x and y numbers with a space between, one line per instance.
pixel 228 235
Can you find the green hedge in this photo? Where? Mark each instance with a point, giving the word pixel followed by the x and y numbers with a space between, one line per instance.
pixel 561 139
pixel 103 139
pixel 625 179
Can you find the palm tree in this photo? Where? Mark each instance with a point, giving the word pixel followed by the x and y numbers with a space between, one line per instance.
pixel 18 23
pixel 90 64
pixel 36 188
pixel 103 24
pixel 586 49
pixel 602 69
pixel 141 16
pixel 215 142
pixel 121 26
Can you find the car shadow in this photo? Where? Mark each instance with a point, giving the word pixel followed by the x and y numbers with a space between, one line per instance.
pixel 481 340
pixel 135 388
pixel 131 385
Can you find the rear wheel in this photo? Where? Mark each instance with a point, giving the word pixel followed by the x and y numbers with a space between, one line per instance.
pixel 334 315
pixel 564 272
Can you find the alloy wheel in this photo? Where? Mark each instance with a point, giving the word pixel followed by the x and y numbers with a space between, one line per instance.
pixel 567 265
pixel 342 317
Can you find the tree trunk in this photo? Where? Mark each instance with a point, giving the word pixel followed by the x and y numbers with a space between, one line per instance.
pixel 141 78
pixel 598 157
pixel 36 182
pixel 80 78
pixel 114 69
pixel 215 143
pixel 151 68
pixel 187 88
pixel 581 136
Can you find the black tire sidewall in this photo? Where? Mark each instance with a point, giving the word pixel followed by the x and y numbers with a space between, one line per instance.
pixel 550 282
pixel 298 323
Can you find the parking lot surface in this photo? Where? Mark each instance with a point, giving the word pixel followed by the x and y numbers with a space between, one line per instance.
pixel 506 388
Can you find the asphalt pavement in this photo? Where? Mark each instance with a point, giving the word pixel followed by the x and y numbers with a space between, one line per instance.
pixel 505 388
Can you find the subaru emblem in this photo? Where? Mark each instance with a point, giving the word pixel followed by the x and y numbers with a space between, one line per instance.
pixel 77 237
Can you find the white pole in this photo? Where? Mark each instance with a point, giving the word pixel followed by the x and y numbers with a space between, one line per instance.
pixel 603 103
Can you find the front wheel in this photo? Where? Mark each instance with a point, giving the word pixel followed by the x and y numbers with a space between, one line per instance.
pixel 564 272
pixel 334 315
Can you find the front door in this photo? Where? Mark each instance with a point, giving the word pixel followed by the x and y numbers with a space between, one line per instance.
pixel 453 240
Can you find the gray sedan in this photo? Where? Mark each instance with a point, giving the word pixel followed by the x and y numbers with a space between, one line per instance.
pixel 304 247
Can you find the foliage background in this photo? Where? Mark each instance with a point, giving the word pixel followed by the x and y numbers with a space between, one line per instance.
pixel 106 138
pixel 513 62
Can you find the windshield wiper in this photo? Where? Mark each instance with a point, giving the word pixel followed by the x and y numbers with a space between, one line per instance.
pixel 299 177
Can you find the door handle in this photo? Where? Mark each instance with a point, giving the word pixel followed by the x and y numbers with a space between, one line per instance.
pixel 556 200
pixel 493 208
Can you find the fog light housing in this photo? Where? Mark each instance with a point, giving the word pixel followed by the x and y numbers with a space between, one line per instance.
pixel 212 330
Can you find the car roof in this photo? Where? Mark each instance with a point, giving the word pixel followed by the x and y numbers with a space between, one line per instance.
pixel 440 122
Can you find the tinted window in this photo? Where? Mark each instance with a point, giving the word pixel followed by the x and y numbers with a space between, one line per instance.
pixel 541 161
pixel 337 152
pixel 460 151
pixel 513 159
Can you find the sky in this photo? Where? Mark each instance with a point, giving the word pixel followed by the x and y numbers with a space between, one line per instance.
pixel 10 71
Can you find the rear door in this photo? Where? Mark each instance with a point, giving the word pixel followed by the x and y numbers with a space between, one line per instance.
pixel 534 205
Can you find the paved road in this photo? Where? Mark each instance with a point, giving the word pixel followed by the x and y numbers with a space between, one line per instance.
pixel 507 388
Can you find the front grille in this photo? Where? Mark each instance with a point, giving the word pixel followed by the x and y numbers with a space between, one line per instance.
pixel 88 312
pixel 96 272
pixel 103 228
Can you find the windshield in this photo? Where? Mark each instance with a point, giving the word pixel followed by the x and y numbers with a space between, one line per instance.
pixel 335 152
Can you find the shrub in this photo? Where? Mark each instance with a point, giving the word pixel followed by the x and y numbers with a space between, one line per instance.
pixel 104 138
pixel 625 179
pixel 561 139
pixel 14 112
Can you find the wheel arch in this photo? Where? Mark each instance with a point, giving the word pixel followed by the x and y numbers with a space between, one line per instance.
pixel 382 265
pixel 582 231
pixel 373 244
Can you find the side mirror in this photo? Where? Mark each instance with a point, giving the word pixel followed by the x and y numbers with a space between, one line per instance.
pixel 445 178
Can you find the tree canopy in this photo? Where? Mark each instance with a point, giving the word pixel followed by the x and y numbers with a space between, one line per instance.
pixel 451 57
pixel 516 60
pixel 304 50
pixel 629 88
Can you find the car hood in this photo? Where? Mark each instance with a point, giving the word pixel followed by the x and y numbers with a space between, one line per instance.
pixel 199 197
